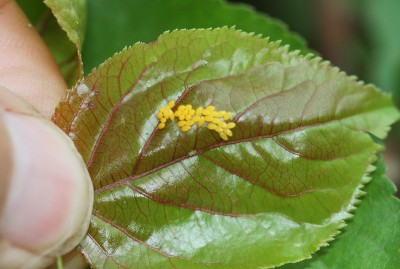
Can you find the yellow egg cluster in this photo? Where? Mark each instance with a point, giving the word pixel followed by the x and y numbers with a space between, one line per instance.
pixel 188 116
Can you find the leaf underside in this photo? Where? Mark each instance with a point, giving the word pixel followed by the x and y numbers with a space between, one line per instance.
pixel 277 191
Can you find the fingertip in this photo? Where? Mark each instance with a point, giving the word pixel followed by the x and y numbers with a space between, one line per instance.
pixel 50 197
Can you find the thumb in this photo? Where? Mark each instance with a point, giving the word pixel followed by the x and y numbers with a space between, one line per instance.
pixel 45 192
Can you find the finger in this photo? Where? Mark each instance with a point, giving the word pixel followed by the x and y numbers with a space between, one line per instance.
pixel 46 192
pixel 26 66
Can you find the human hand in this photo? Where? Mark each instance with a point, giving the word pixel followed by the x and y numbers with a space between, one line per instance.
pixel 46 194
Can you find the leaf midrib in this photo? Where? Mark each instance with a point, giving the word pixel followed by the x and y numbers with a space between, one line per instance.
pixel 123 181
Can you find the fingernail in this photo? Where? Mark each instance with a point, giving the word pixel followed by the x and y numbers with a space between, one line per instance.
pixel 50 196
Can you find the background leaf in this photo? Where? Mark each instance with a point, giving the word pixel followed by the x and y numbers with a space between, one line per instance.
pixel 381 21
pixel 71 16
pixel 371 240
pixel 114 24
pixel 274 193
pixel 62 29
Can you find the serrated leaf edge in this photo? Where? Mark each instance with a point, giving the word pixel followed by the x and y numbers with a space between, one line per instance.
pixel 315 60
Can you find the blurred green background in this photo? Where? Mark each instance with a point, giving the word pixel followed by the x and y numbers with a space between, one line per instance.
pixel 362 37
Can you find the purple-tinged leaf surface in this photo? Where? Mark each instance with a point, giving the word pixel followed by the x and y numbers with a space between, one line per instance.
pixel 279 189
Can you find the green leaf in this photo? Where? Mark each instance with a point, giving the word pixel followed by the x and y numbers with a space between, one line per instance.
pixel 371 240
pixel 277 191
pixel 62 42
pixel 71 16
pixel 114 24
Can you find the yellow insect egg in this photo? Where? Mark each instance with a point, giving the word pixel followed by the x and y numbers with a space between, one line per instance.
pixel 161 125
pixel 199 111
pixel 219 129
pixel 210 108
pixel 228 132
pixel 171 104
pixel 212 126
pixel 206 112
pixel 171 115
pixel 185 128
pixel 190 122
pixel 201 122
pixel 220 114
pixel 208 118
pixel 223 125
pixel 163 120
pixel 181 123
pixel 217 121
pixel 227 116
pixel 231 125
pixel 223 136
